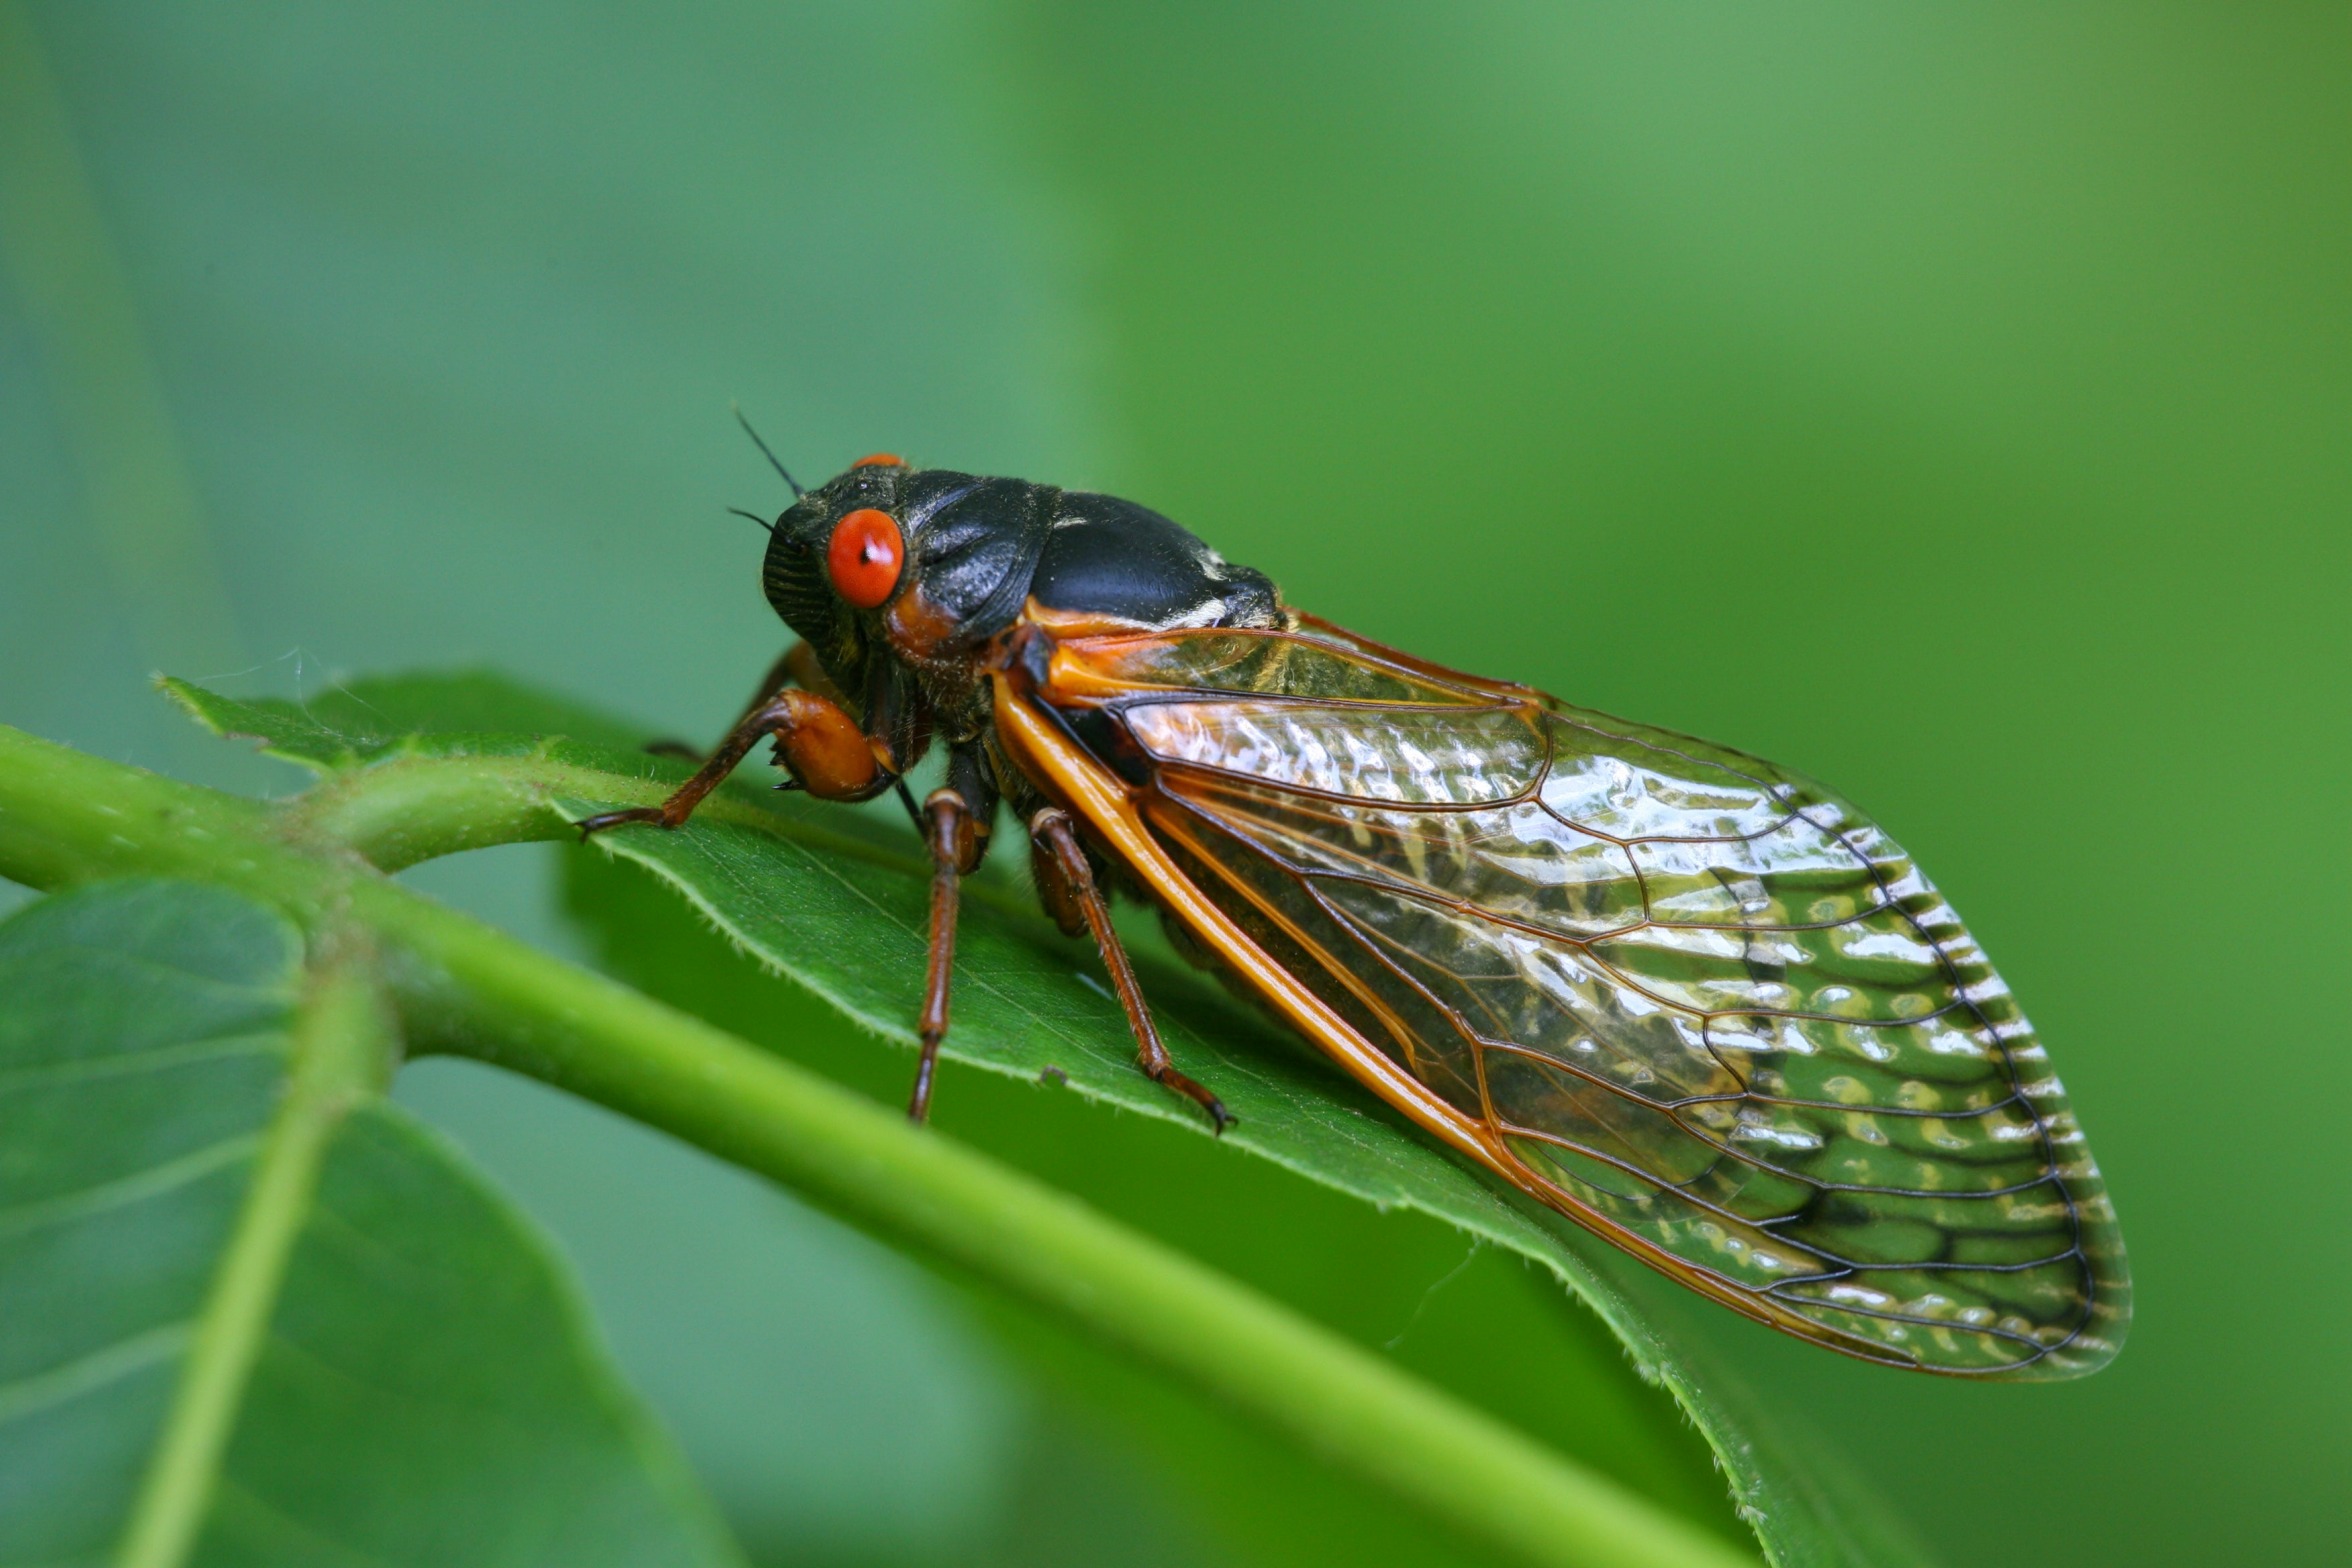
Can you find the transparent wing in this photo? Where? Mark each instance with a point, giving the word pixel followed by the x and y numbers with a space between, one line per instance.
pixel 1707 1007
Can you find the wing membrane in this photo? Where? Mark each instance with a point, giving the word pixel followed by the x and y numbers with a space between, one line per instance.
pixel 1693 1000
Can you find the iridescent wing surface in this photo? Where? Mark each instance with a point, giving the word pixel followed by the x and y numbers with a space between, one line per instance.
pixel 1690 999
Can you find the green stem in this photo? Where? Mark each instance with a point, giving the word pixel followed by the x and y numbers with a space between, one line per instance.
pixel 408 810
pixel 342 1054
pixel 464 987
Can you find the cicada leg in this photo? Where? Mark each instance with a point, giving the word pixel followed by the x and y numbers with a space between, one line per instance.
pixel 948 826
pixel 955 820
pixel 1070 882
pixel 826 751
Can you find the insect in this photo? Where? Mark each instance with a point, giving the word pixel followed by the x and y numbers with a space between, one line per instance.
pixel 1690 1000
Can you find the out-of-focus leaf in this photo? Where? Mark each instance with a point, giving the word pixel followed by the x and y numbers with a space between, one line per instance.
pixel 427 1391
pixel 815 895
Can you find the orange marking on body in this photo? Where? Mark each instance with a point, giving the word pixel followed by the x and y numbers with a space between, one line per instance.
pixel 918 628
pixel 1079 623
pixel 880 460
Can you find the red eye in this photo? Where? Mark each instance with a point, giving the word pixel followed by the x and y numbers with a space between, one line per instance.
pixel 865 556
pixel 880 460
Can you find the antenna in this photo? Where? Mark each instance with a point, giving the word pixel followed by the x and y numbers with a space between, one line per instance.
pixel 782 472
pixel 754 516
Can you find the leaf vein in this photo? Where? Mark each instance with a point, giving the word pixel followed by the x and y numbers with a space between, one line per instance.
pixel 152 1182
pixel 131 1064
pixel 87 1374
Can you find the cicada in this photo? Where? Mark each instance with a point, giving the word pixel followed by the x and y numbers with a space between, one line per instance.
pixel 1693 1001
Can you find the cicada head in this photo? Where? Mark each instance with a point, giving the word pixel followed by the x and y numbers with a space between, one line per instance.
pixel 924 564
pixel 901 576
pixel 798 573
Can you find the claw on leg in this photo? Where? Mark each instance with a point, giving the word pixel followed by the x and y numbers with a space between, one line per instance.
pixel 612 819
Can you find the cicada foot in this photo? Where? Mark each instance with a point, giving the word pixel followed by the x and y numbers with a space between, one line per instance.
pixel 1219 1117
pixel 590 826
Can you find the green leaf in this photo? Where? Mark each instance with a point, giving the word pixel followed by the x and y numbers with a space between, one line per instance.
pixel 444 714
pixel 250 1313
pixel 1825 1515
pixel 850 924
pixel 817 895
pixel 1394 1281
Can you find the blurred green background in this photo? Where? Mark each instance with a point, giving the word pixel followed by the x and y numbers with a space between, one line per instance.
pixel 1955 405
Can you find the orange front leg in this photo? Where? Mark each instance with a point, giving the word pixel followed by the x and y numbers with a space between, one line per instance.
pixel 823 747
